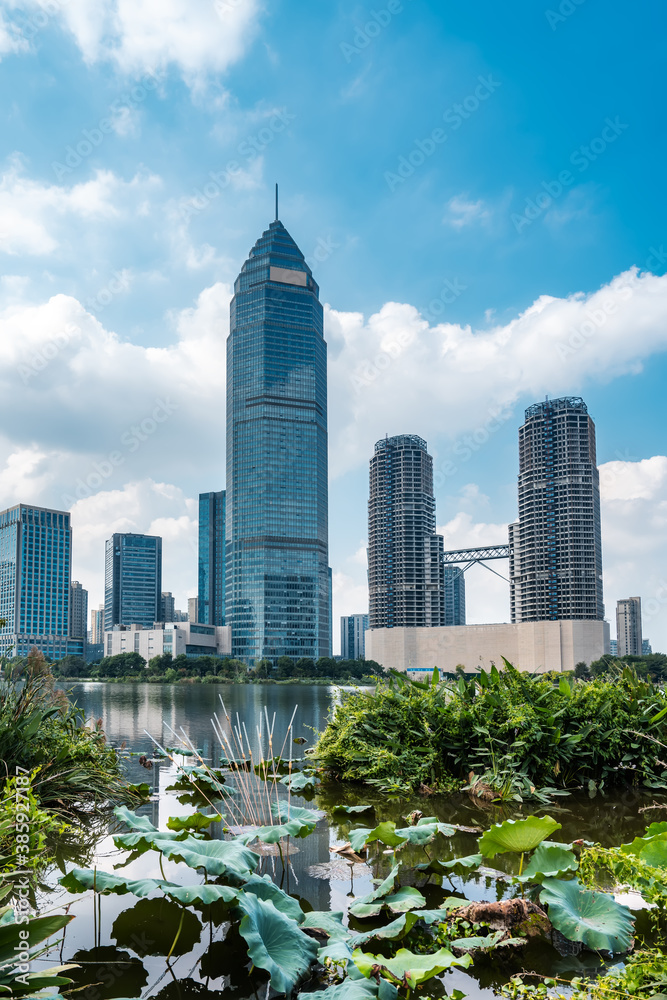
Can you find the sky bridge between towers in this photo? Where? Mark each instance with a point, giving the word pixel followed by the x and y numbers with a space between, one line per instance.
pixel 468 557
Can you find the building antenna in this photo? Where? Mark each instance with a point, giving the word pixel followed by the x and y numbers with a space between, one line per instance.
pixel 276 202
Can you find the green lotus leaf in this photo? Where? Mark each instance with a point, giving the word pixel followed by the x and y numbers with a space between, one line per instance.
pixel 359 837
pixel 205 894
pixel 656 828
pixel 397 928
pixel 547 861
pixel 298 782
pixel 517 836
pixel 83 879
pixel 337 950
pixel 196 821
pixel 478 943
pixel 303 821
pixel 132 820
pixel 352 810
pixel 402 901
pixel 275 943
pixel 327 922
pixel 594 918
pixel 263 887
pixel 426 829
pixel 408 968
pixel 217 857
pixel 651 848
pixel 383 889
pixel 460 866
pixel 357 989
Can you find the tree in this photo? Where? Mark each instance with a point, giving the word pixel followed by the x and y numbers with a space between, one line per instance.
pixel 71 666
pixel 581 670
pixel 121 665
pixel 160 664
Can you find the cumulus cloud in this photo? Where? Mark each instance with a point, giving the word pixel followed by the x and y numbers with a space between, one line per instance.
pixel 139 35
pixel 387 369
pixel 32 214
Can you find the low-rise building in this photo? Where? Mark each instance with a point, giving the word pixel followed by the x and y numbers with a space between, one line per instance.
pixel 536 647
pixel 176 638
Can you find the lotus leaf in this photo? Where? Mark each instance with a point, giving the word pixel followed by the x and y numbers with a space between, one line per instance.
pixel 275 943
pixel 651 848
pixel 517 836
pixel 397 928
pixel 352 810
pixel 402 901
pixel 196 821
pixel 383 889
pixel 357 989
pixel 329 923
pixel 425 831
pixel 83 879
pixel 217 857
pixel 460 866
pixel 132 820
pixel 263 887
pixel 408 968
pixel 298 782
pixel 594 918
pixel 547 861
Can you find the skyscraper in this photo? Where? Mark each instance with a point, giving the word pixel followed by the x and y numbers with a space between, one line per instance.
pixel 132 580
pixel 278 595
pixel 167 606
pixel 555 547
pixel 405 556
pixel 35 577
pixel 212 558
pixel 78 610
pixel 353 636
pixel 455 596
pixel 629 626
pixel 97 625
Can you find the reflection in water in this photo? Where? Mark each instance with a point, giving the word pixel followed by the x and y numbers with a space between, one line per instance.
pixel 157 927
pixel 107 972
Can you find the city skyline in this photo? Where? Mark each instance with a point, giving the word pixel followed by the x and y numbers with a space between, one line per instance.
pixel 481 235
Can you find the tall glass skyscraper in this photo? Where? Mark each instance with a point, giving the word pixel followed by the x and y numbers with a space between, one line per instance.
pixel 35 578
pixel 406 586
pixel 556 547
pixel 132 580
pixel 211 590
pixel 278 593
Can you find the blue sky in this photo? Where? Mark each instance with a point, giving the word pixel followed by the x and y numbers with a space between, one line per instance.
pixel 471 185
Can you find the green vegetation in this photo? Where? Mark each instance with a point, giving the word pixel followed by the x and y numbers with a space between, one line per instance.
pixel 503 734
pixel 652 667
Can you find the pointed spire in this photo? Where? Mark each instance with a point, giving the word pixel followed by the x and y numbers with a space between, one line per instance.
pixel 276 202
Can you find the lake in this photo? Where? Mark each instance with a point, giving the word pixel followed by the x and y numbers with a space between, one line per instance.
pixel 121 942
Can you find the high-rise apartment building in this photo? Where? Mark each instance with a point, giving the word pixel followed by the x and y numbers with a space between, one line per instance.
pixel 97 625
pixel 193 609
pixel 629 626
pixel 278 594
pixel 78 610
pixel 132 580
pixel 353 636
pixel 555 547
pixel 405 556
pixel 212 558
pixel 35 582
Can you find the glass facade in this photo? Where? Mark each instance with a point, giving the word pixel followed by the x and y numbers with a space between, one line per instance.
pixel 132 580
pixel 353 636
pixel 212 558
pixel 278 581
pixel 35 571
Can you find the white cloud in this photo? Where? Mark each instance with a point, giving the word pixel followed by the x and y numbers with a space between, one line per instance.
pixel 11 41
pixel 147 35
pixel 461 212
pixel 394 372
pixel 33 214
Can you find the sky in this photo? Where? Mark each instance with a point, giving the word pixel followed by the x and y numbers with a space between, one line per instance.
pixel 478 188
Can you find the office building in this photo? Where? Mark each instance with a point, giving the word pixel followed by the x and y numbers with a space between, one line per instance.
pixel 629 626
pixel 97 625
pixel 212 558
pixel 193 609
pixel 555 547
pixel 455 596
pixel 78 610
pixel 536 647
pixel 352 636
pixel 405 556
pixel 132 580
pixel 35 582
pixel 646 648
pixel 278 593
pixel 177 638
pixel 167 607
pixel 613 647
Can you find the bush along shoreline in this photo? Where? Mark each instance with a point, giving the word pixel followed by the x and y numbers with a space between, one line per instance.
pixel 500 735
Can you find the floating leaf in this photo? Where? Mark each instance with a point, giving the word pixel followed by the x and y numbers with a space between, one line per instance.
pixel 352 810
pixel 651 848
pixel 517 836
pixel 275 943
pixel 330 924
pixel 405 899
pixel 594 918
pixel 397 928
pixel 298 782
pixel 383 889
pixel 408 968
pixel 303 821
pixel 460 866
pixel 547 861
pixel 357 989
